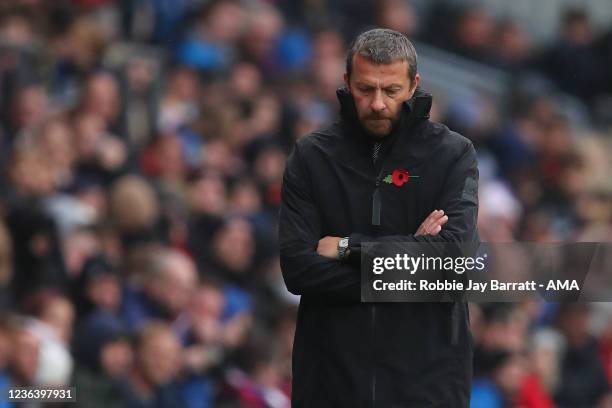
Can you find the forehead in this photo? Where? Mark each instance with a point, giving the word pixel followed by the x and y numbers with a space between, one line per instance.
pixel 366 71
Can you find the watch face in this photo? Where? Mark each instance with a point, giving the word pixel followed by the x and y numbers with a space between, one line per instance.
pixel 343 242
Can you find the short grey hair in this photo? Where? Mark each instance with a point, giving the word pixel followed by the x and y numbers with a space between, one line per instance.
pixel 383 46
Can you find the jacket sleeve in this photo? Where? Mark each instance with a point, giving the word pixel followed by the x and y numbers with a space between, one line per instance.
pixel 305 272
pixel 458 199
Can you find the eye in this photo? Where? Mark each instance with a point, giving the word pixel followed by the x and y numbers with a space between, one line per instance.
pixel 392 92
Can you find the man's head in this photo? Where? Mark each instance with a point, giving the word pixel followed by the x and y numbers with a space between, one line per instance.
pixel 381 73
pixel 158 354
pixel 170 280
pixel 25 354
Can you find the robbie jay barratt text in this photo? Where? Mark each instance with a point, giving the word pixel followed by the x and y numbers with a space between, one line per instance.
pixel 493 285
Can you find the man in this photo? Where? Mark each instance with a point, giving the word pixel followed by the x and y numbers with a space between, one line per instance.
pixel 358 180
pixel 151 382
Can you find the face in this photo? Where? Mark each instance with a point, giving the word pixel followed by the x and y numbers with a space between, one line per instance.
pixel 59 315
pixel 160 357
pixel 206 309
pixel 379 91
pixel 235 246
pixel 26 347
pixel 173 288
pixel 116 358
pixel 105 292
pixel 103 97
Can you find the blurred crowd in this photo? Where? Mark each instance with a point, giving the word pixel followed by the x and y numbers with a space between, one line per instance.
pixel 142 147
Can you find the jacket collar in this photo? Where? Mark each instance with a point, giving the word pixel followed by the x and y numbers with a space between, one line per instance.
pixel 414 110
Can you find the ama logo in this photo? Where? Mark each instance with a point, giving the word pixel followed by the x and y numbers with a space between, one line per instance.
pixel 562 285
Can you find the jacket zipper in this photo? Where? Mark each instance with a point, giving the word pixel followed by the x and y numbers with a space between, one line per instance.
pixel 376 201
pixel 376 210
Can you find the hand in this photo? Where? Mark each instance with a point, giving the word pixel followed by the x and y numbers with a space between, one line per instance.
pixel 433 223
pixel 236 329
pixel 328 247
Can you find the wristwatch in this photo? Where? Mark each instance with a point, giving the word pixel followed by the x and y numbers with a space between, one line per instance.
pixel 343 246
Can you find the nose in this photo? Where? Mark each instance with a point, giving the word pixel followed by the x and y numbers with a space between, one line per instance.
pixel 377 104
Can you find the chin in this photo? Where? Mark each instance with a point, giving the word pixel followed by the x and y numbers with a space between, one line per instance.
pixel 378 132
pixel 378 128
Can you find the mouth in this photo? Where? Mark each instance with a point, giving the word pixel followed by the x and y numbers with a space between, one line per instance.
pixel 377 121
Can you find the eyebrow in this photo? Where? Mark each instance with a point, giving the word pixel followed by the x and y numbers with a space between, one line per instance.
pixel 368 85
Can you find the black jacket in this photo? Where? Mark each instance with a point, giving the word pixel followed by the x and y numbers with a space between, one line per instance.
pixel 352 354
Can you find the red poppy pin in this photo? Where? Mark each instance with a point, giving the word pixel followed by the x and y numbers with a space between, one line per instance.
pixel 399 177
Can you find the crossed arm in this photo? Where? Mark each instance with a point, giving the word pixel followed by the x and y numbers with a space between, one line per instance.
pixel 328 246
pixel 309 263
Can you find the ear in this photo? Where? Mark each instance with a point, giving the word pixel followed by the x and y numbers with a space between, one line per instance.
pixel 347 81
pixel 414 84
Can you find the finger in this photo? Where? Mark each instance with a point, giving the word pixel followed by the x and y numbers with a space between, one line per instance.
pixel 442 220
pixel 435 229
pixel 439 223
pixel 422 230
pixel 427 222
pixel 431 221
pixel 435 214
pixel 435 226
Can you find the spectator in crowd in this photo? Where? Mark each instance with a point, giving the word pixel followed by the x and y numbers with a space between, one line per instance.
pixel 157 363
pixel 586 78
pixel 135 210
pixel 512 45
pixel 498 380
pixel 583 380
pixel 256 381
pixel 5 353
pixel 25 355
pixel 98 288
pixel 164 290
pixel 104 359
pixel 52 325
pixel 6 266
pixel 474 34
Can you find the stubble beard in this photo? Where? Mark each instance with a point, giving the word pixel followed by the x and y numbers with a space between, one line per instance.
pixel 378 130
